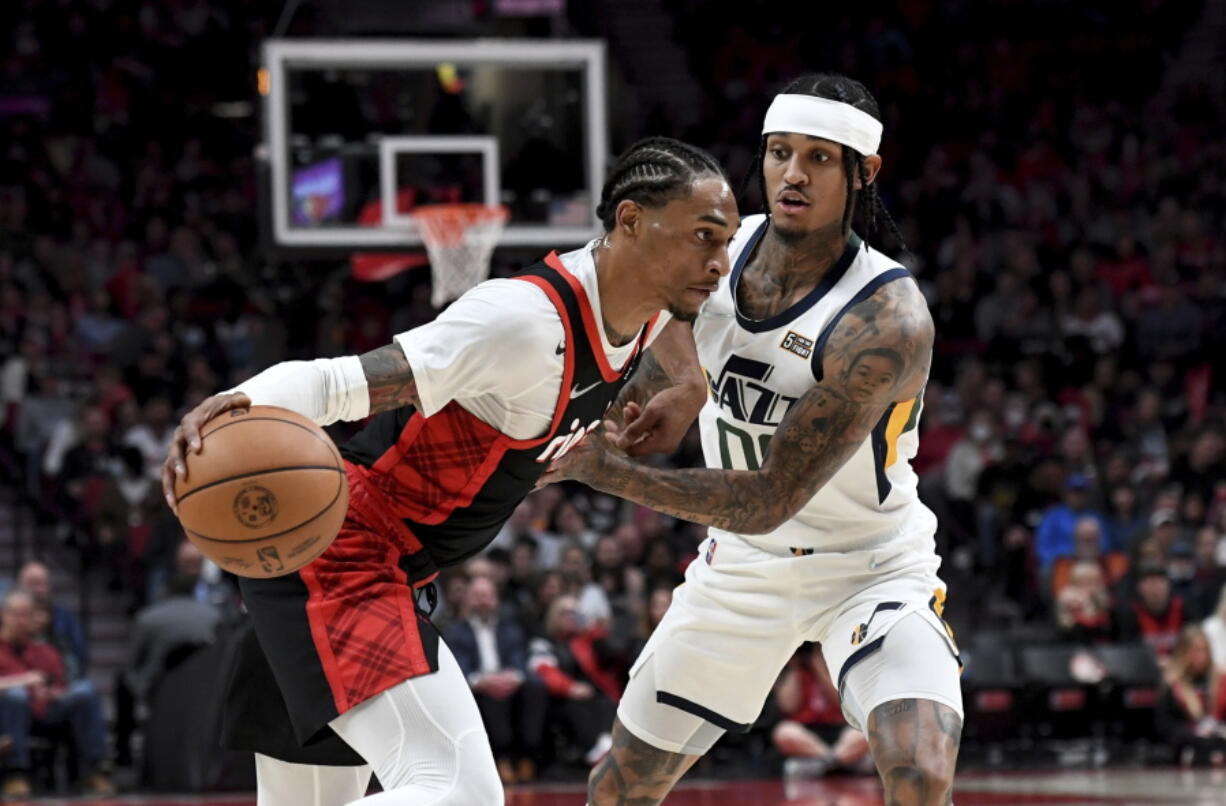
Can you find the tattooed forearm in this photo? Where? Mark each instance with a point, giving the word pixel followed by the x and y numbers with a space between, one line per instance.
pixel 634 773
pixel 648 379
pixel 820 432
pixel 879 354
pixel 389 379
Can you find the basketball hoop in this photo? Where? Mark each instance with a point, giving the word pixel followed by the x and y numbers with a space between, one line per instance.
pixel 460 239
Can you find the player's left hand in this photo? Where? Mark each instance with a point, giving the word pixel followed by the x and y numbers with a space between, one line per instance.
pixel 662 424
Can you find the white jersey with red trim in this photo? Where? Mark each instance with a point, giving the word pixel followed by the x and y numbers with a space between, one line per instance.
pixel 497 350
pixel 756 370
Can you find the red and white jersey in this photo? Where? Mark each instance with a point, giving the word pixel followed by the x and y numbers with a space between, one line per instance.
pixel 498 350
pixel 511 376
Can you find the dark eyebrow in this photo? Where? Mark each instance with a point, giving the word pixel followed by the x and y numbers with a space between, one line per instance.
pixel 714 219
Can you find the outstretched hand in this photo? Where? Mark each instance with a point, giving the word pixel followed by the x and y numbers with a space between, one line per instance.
pixel 661 425
pixel 584 461
pixel 187 438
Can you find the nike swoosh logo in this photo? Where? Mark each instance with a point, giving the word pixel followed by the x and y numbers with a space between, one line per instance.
pixel 577 392
pixel 561 348
pixel 874 564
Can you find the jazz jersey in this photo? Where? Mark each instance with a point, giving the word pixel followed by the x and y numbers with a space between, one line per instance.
pixel 758 368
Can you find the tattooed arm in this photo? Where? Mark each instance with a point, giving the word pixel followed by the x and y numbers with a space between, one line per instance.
pixel 672 360
pixel 878 354
pixel 657 406
pixel 324 390
pixel 389 379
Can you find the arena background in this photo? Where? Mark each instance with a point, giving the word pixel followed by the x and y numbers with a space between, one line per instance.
pixel 1058 172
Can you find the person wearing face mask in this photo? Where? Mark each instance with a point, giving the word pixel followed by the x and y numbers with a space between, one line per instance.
pixel 965 463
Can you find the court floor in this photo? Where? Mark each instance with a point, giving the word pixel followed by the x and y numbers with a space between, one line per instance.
pixel 1122 787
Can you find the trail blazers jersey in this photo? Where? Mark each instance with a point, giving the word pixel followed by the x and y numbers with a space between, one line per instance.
pixel 758 368
pixel 454 479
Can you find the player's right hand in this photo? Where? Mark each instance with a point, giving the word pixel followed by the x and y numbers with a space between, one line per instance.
pixel 187 438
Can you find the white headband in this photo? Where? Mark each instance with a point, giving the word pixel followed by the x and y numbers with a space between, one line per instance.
pixel 821 117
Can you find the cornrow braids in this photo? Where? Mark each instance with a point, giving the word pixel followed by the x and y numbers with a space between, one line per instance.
pixel 653 172
pixel 873 213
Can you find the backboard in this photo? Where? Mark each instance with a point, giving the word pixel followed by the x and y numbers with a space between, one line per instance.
pixel 358 132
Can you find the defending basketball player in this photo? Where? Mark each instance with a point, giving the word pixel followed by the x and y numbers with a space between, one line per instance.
pixel 471 408
pixel 817 349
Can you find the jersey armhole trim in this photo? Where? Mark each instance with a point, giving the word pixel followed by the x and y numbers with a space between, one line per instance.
pixel 869 289
pixel 568 362
pixel 589 323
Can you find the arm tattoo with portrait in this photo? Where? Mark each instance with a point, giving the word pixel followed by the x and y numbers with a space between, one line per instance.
pixel 878 354
pixel 389 379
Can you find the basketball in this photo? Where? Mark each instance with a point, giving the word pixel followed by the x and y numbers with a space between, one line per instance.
pixel 265 495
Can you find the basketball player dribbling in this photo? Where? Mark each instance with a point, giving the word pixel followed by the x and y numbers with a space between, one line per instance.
pixel 471 408
pixel 817 348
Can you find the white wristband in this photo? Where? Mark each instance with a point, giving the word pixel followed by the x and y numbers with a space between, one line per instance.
pixel 324 390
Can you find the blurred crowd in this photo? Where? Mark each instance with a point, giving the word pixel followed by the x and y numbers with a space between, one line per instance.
pixel 1065 223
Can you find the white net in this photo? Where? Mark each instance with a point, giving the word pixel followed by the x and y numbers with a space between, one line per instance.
pixel 460 239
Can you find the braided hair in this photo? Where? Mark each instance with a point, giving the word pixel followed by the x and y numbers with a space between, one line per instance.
pixel 836 87
pixel 653 172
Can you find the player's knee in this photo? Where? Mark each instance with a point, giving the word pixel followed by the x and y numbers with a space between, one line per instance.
pixel 479 788
pixel 477 782
pixel 922 782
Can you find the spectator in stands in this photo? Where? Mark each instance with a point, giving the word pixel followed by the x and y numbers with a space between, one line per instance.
pixel 451 584
pixel 41 630
pixel 1153 614
pixel 1055 534
pixel 128 506
pixel 1191 715
pixel 35 579
pixel 212 586
pixel 1208 575
pixel 1087 548
pixel 576 568
pixel 967 459
pixel 623 584
pixel 492 652
pixel 812 734
pixel 524 570
pixel 48 700
pixel 152 434
pixel 570 524
pixel 169 629
pixel 581 678
pixel 549 585
pixel 1126 520
pixel 1083 606
pixel 660 564
pixel 87 466
pixel 658 602
pixel 522 523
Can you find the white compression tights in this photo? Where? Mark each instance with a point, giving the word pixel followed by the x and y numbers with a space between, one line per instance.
pixel 423 737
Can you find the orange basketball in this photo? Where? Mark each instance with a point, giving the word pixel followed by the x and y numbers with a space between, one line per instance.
pixel 266 494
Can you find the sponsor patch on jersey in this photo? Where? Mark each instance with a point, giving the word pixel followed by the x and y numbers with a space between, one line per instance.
pixel 793 342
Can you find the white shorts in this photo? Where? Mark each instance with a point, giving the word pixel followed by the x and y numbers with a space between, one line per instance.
pixel 742 612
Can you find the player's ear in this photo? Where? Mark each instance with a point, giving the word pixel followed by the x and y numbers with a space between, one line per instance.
pixel 629 217
pixel 872 164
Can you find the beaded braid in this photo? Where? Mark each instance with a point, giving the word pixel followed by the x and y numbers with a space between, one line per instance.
pixel 837 87
pixel 653 172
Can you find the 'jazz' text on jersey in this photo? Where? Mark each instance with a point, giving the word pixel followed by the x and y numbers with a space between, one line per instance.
pixel 740 390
